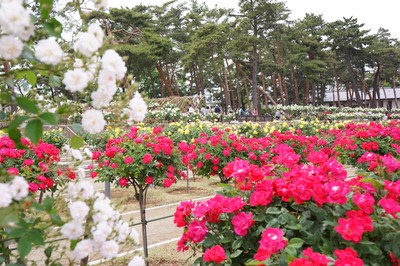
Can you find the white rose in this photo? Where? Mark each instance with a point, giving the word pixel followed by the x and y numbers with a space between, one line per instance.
pixel 112 62
pixel 72 230
pixel 48 51
pixel 138 108
pixel 19 188
pixel 93 121
pixel 79 210
pixel 75 80
pixel 10 47
pixel 83 249
pixel 6 197
pixel 109 249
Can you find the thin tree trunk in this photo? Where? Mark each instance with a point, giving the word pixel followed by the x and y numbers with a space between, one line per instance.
pixel 142 205
pixel 394 91
pixel 264 88
pixel 256 100
pixel 274 86
pixel 295 86
pixel 238 86
pixel 285 90
pixel 307 96
pixel 352 78
pixel 281 89
pixel 230 88
pixel 164 80
pixel 337 85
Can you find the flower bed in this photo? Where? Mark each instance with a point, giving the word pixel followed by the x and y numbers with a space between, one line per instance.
pixel 294 203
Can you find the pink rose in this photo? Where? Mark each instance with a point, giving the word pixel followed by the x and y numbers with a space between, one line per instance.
pixel 242 222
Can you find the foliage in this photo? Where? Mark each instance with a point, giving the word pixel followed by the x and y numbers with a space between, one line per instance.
pixel 55 137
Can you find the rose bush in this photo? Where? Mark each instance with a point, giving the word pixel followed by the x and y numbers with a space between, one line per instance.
pixel 300 200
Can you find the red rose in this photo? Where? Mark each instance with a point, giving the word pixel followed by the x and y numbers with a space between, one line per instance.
pixel 215 254
pixel 123 182
pixel 149 180
pixel 147 158
pixel 128 160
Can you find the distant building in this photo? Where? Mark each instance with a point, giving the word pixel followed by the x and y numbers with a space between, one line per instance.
pixel 387 98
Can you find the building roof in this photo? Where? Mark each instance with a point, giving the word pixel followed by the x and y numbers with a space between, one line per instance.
pixel 343 97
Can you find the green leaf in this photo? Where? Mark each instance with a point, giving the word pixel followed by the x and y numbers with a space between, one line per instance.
pixel 54 27
pixel 28 105
pixel 34 130
pixel 15 135
pixel 48 251
pixel 236 253
pixel 37 237
pixel 31 77
pixel 45 8
pixel 24 246
pixel 274 210
pixel 54 81
pixel 17 121
pixel 237 243
pixel 76 142
pixel 295 242
pixel 375 183
pixel 47 204
pixel 48 118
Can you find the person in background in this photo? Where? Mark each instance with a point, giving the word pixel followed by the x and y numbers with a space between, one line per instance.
pixel 203 110
pixel 191 109
pixel 277 115
pixel 255 113
pixel 241 111
pixel 217 110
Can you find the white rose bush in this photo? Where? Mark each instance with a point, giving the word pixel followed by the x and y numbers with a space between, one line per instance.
pixel 35 56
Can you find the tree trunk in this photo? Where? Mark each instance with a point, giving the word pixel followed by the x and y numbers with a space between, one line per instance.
pixel 256 101
pixel 281 89
pixel 307 96
pixel 238 87
pixel 274 86
pixel 352 78
pixel 226 87
pixel 264 88
pixel 142 205
pixel 285 90
pixel 295 86
pixel 230 86
pixel 164 80
pixel 394 90
pixel 337 86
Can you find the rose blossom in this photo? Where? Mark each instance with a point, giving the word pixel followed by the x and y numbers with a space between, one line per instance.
pixel 93 121
pixel 48 51
pixel 147 158
pixel 215 254
pixel 242 222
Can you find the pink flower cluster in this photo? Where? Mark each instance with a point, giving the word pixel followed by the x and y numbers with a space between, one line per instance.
pixel 36 163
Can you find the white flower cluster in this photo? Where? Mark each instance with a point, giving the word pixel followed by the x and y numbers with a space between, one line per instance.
pixel 17 189
pixel 103 231
pixel 16 26
pixel 137 109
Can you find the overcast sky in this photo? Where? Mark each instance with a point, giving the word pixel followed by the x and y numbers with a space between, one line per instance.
pixel 373 13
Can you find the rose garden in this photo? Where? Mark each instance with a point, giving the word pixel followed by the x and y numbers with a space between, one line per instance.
pixel 285 192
